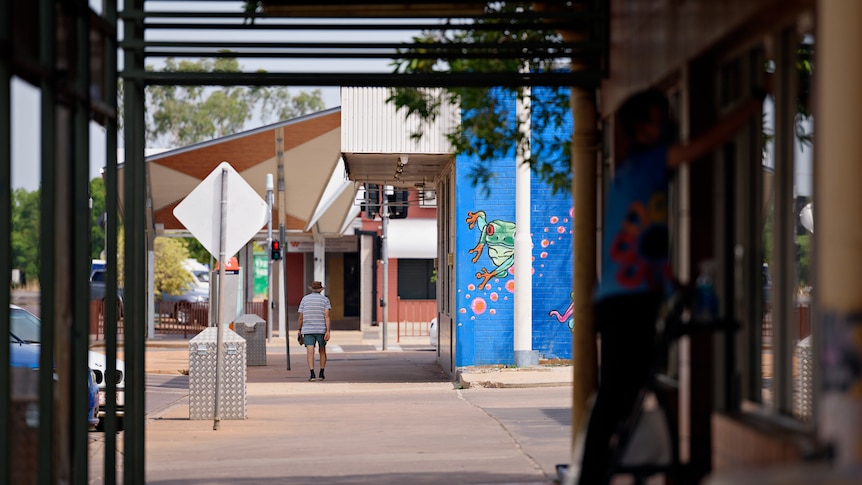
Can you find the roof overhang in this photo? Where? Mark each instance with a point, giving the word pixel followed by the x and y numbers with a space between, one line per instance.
pixel 314 190
pixel 414 170
pixel 379 142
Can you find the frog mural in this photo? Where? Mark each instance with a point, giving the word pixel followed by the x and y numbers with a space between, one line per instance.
pixel 499 237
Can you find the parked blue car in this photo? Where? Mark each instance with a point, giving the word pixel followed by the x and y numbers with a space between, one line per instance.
pixel 26 355
pixel 22 354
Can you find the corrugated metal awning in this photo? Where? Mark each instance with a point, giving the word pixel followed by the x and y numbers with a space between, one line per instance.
pixel 378 142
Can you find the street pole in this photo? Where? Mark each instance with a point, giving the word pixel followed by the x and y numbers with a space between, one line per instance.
pixel 219 313
pixel 269 187
pixel 282 265
pixel 384 255
pixel 283 317
pixel 523 331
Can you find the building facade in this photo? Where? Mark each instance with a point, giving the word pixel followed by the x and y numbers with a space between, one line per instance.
pixel 485 224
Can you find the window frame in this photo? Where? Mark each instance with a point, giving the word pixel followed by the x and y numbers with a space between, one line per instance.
pixel 409 286
pixel 741 250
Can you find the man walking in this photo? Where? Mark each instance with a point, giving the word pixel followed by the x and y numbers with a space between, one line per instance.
pixel 314 326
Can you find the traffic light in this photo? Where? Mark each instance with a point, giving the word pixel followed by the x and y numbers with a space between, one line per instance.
pixel 372 200
pixel 398 204
pixel 378 248
pixel 276 250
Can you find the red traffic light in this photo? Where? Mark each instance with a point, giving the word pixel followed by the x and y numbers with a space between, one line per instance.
pixel 276 250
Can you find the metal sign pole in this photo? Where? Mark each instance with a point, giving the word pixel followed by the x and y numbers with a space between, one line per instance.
pixel 269 311
pixel 283 272
pixel 219 313
pixel 384 255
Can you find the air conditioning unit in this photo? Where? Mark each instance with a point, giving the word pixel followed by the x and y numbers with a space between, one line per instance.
pixel 428 198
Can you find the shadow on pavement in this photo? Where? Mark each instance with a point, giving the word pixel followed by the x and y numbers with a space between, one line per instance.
pixel 407 366
pixel 377 479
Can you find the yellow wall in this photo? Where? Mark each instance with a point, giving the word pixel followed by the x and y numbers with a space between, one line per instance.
pixel 335 288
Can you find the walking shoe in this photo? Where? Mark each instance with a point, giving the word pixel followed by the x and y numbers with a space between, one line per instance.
pixel 322 377
pixel 311 378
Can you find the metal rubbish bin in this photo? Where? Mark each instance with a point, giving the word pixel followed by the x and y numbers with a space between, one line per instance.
pixel 253 329
pixel 202 375
pixel 804 382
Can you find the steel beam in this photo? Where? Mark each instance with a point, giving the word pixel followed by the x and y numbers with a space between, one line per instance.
pixel 5 228
pixel 47 241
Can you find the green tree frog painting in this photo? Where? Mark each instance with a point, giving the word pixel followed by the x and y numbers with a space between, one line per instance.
pixel 498 237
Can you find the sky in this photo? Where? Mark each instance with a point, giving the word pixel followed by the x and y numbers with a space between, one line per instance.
pixel 26 151
pixel 26 148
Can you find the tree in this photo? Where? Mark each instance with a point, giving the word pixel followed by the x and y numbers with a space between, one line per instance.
pixel 197 251
pixel 97 218
pixel 183 115
pixel 25 232
pixel 169 274
pixel 488 129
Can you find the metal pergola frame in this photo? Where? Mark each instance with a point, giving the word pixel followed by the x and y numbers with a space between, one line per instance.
pixel 68 81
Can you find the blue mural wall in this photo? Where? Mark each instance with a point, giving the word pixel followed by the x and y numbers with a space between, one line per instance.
pixel 485 248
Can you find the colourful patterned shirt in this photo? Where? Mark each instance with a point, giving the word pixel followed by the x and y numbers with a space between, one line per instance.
pixel 635 232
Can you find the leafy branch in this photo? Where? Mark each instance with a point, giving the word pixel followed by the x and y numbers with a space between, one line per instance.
pixel 489 129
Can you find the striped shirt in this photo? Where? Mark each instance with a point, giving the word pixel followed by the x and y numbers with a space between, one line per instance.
pixel 313 309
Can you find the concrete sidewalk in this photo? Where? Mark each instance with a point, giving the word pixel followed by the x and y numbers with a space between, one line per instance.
pixel 168 354
pixel 382 417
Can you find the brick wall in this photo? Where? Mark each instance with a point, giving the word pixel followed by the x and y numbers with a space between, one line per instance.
pixel 485 312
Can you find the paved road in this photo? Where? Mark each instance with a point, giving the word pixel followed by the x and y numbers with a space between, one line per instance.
pixel 164 391
pixel 538 419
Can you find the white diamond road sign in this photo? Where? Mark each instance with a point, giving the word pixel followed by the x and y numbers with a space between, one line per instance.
pixel 200 211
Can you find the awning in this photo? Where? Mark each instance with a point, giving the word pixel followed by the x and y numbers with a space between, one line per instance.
pixel 316 189
pixel 338 206
pixel 378 142
pixel 412 238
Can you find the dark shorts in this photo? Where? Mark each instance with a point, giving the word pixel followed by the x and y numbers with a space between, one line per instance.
pixel 309 339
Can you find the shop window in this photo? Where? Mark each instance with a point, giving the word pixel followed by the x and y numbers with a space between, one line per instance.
pixel 416 279
pixel 777 362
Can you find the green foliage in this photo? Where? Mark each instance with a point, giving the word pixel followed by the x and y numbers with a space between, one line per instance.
pixel 767 236
pixel 252 9
pixel 183 115
pixel 803 252
pixel 169 274
pixel 488 130
pixel 279 104
pixel 25 232
pixel 121 251
pixel 805 70
pixel 197 250
pixel 97 234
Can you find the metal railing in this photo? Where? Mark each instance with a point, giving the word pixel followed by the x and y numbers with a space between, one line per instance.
pixel 414 317
pixel 173 317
